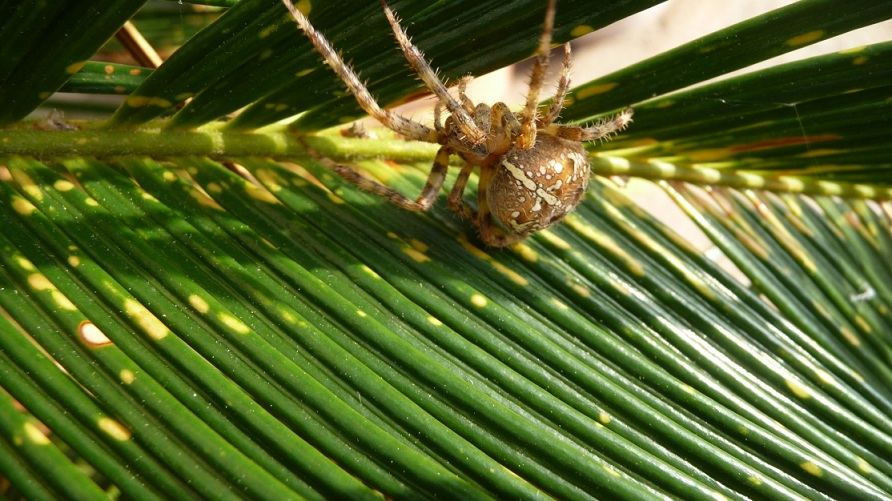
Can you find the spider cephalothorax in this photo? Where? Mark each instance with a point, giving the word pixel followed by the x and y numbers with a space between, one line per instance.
pixel 533 172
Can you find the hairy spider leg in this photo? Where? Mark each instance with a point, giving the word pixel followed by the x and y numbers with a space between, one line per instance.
pixel 537 76
pixel 466 102
pixel 600 130
pixel 456 195
pixel 557 103
pixel 416 60
pixel 402 125
pixel 429 193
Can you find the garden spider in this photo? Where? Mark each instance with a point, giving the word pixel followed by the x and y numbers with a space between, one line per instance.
pixel 533 172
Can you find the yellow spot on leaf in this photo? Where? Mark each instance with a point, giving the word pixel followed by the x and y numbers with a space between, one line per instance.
pixel 594 91
pixel 34 434
pixel 754 480
pixel 204 199
pixel 184 96
pixel 39 282
pixel 109 69
pixel 24 264
pixel 335 199
pixel 812 469
pixel 304 6
pixel 862 324
pixel 260 194
pixel 114 429
pixel 415 255
pixel 266 31
pixel 806 38
pixel 479 301
pixel 148 321
pixel 73 68
pixel 234 323
pixel 270 179
pixel 63 185
pixel 525 252
pixel 797 389
pixel 141 101
pixel 28 184
pixel 23 206
pixel 288 316
pixel 560 304
pixel 602 239
pixel 853 50
pixel 434 321
pixel 362 313
pixel 92 335
pixel 581 290
pixel 74 261
pixel 826 377
pixel 199 304
pixel 858 61
pixel 370 272
pixel 582 29
pixel 604 418
pixel 511 274
pixel 127 376
pixel 62 301
pixel 864 466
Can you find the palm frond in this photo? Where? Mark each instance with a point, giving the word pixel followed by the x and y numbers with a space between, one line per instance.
pixel 194 305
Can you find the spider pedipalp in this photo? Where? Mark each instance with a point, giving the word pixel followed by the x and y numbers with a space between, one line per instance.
pixel 533 171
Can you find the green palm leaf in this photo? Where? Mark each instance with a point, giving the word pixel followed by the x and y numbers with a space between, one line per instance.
pixel 194 305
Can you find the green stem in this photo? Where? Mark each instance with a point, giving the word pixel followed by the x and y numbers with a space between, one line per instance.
pixel 276 143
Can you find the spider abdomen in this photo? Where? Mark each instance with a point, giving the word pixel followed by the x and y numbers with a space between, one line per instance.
pixel 535 188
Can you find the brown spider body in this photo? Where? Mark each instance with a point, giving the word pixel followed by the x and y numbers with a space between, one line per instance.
pixel 533 172
pixel 530 190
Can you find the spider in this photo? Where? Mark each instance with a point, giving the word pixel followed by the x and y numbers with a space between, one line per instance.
pixel 533 171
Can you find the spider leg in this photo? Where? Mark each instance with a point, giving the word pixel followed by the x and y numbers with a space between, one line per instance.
pixel 365 99
pixel 557 103
pixel 528 117
pixel 438 112
pixel 602 129
pixel 428 194
pixel 494 236
pixel 504 118
pixel 466 103
pixel 483 116
pixel 428 75
pixel 491 234
pixel 456 195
